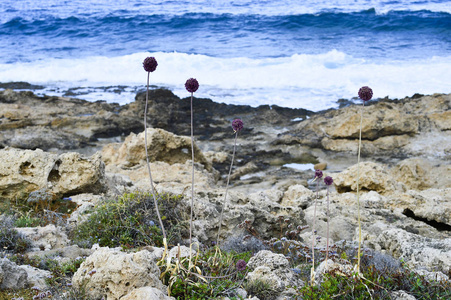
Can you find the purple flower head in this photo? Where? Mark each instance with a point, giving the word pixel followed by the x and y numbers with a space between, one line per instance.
pixel 191 85
pixel 365 93
pixel 318 174
pixel 237 125
pixel 150 64
pixel 328 180
pixel 241 265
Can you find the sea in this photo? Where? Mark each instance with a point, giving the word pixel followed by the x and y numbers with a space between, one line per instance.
pixel 291 53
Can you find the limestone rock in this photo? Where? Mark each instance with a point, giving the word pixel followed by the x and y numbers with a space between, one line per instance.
pixel 274 269
pixel 419 174
pixel 417 250
pixel 25 171
pixel 341 267
pixel 161 146
pixel 373 177
pixel 388 127
pixel 11 275
pixel 146 293
pixel 401 295
pixel 45 238
pixel 298 196
pixel 430 204
pixel 113 274
pixel 36 277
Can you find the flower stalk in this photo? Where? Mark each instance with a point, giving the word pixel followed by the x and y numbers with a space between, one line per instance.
pixel 365 93
pixel 237 125
pixel 150 64
pixel 318 175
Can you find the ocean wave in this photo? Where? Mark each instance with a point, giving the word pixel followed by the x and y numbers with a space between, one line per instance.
pixel 314 82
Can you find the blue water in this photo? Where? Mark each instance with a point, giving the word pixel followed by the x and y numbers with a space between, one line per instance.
pixel 292 53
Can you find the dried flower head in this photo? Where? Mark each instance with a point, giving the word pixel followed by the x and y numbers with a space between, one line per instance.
pixel 318 174
pixel 150 64
pixel 365 93
pixel 241 265
pixel 237 125
pixel 191 85
pixel 328 180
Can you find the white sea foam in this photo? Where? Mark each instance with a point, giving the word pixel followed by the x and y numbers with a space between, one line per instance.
pixel 313 82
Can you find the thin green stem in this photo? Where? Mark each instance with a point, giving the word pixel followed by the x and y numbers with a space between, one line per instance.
pixel 192 174
pixel 313 232
pixel 227 189
pixel 358 187
pixel 327 241
pixel 148 164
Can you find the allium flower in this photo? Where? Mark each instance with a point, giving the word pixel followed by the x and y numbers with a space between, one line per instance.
pixel 237 125
pixel 191 85
pixel 318 174
pixel 241 265
pixel 328 180
pixel 150 64
pixel 365 93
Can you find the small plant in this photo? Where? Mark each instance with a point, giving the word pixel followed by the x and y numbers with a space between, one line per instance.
pixel 150 64
pixel 10 239
pixel 191 86
pixel 260 289
pixel 365 93
pixel 130 221
pixel 237 126
pixel 318 176
pixel 212 273
pixel 328 181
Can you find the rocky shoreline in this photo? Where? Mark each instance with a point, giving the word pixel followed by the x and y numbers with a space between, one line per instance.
pixel 90 151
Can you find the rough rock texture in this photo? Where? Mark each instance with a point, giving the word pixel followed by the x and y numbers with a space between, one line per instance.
pixel 161 146
pixel 146 293
pixel 388 127
pixel 30 122
pixel 36 277
pixel 373 177
pixel 45 238
pixel 262 210
pixel 11 275
pixel 416 250
pixel 25 171
pixel 273 269
pixel 113 274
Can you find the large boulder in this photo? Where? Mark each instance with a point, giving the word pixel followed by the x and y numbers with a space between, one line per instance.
pixel 273 269
pixel 113 274
pixel 146 293
pixel 25 171
pixel 161 146
pixel 11 275
pixel 373 177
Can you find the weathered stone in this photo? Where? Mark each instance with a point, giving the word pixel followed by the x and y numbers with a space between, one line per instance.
pixel 45 238
pixel 146 293
pixel 161 146
pixel 11 275
pixel 274 269
pixel 25 171
pixel 373 177
pixel 36 277
pixel 113 274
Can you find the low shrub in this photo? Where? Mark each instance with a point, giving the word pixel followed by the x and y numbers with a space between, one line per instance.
pixel 131 221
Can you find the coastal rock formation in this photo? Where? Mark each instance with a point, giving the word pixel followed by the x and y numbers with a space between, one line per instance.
pixel 161 146
pixel 30 122
pixel 113 274
pixel 25 171
pixel 373 177
pixel 11 275
pixel 388 127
